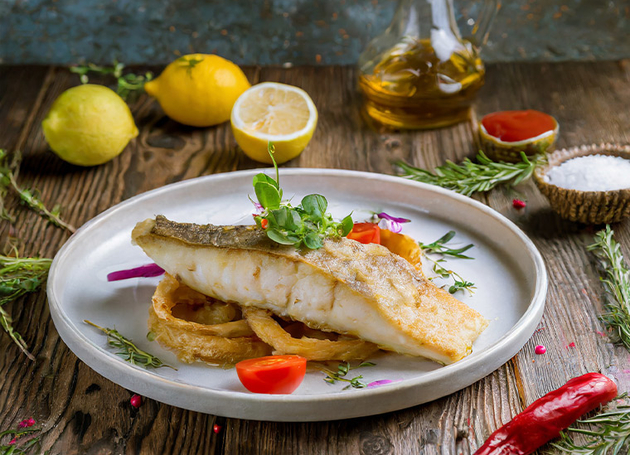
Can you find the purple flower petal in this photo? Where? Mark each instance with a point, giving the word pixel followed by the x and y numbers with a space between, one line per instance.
pixel 258 209
pixel 393 226
pixel 385 216
pixel 382 382
pixel 144 271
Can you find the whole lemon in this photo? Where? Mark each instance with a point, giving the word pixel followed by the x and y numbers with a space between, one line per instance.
pixel 89 125
pixel 198 89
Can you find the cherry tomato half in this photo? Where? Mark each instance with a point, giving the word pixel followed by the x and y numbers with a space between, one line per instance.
pixel 366 233
pixel 272 374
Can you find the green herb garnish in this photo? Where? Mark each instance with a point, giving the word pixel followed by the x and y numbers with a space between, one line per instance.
pixel 469 177
pixel 9 169
pixel 342 370
pixel 617 284
pixel 439 248
pixel 128 84
pixel 611 434
pixel 19 276
pixel 308 224
pixel 129 351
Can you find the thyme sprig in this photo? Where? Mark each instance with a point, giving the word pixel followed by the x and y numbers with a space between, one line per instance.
pixel 616 281
pixel 611 434
pixel 308 224
pixel 127 84
pixel 470 177
pixel 440 249
pixel 128 350
pixel 9 169
pixel 342 370
pixel 19 276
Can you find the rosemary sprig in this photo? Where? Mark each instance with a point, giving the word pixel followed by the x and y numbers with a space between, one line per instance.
pixel 19 276
pixel 128 350
pixel 9 169
pixel 611 434
pixel 342 370
pixel 617 284
pixel 469 177
pixel 128 84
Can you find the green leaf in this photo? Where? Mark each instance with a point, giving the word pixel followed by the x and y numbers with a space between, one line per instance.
pixel 346 225
pixel 313 241
pixel 268 195
pixel 315 205
pixel 266 179
pixel 279 237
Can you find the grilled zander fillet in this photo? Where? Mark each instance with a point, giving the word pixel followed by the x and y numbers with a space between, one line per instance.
pixel 345 287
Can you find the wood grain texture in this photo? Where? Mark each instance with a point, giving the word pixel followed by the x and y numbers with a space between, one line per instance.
pixel 81 412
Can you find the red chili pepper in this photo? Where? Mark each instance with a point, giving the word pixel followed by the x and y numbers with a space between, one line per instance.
pixel 543 420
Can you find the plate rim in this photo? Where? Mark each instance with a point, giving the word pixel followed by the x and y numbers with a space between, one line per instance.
pixel 84 348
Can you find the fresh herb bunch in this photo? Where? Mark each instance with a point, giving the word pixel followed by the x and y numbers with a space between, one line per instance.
pixel 128 84
pixel 128 350
pixel 307 224
pixel 19 276
pixel 9 169
pixel 617 284
pixel 469 177
pixel 610 436
pixel 439 248
pixel 342 370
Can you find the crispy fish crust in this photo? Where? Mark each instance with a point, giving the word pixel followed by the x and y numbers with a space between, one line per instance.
pixel 345 287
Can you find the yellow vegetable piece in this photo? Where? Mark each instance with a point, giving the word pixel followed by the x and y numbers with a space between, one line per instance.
pixel 273 112
pixel 198 89
pixel 404 246
pixel 89 125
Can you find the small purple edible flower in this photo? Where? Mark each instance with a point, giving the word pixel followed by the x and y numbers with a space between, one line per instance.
pixel 392 223
pixel 382 382
pixel 144 271
pixel 258 209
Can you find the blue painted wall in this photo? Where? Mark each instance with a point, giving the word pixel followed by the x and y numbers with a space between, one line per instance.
pixel 288 31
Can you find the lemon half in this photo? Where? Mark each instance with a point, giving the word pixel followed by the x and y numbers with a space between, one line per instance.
pixel 273 112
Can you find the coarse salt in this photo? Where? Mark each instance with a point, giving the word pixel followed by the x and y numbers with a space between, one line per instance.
pixel 591 173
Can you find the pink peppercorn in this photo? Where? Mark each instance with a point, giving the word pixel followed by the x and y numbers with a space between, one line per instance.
pixel 136 401
pixel 540 349
pixel 518 204
pixel 217 428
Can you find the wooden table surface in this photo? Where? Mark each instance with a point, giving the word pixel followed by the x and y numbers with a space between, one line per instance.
pixel 81 412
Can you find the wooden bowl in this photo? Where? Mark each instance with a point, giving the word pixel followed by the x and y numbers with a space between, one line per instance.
pixel 590 207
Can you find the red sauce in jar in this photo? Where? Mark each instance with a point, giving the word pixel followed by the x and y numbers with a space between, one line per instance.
pixel 515 126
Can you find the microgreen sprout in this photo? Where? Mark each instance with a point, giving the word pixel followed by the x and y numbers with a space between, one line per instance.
pixel 307 225
pixel 342 370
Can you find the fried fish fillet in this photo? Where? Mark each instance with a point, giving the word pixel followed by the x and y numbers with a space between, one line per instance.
pixel 345 287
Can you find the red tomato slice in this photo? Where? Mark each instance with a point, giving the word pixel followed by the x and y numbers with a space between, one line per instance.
pixel 272 374
pixel 366 233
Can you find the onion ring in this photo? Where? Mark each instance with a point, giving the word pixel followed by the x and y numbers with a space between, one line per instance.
pixel 282 342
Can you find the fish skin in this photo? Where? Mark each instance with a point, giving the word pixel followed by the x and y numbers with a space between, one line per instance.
pixel 375 294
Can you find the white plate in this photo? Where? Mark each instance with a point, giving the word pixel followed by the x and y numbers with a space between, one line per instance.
pixel 508 272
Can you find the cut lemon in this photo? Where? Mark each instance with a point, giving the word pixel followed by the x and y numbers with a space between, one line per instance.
pixel 273 112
